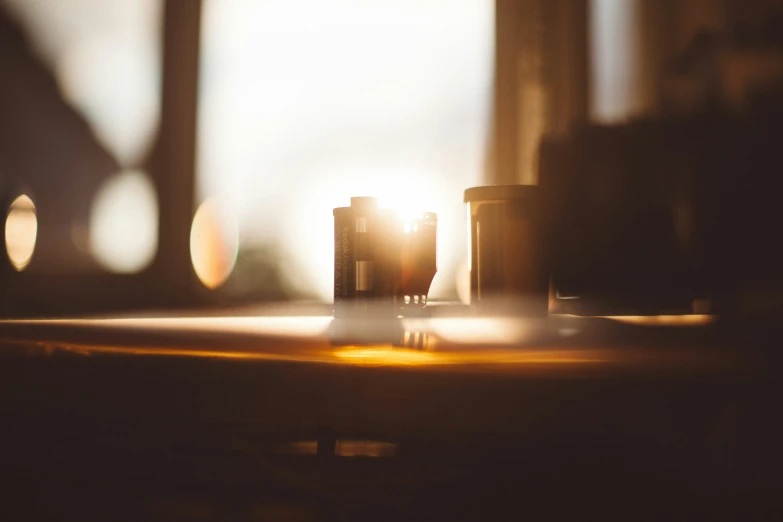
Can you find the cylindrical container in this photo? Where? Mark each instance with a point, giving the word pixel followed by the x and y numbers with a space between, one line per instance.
pixel 382 263
pixel 361 270
pixel 419 258
pixel 508 272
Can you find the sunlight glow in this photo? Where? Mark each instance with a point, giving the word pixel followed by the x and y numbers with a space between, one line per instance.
pixel 310 227
pixel 305 104
pixel 380 355
pixel 483 330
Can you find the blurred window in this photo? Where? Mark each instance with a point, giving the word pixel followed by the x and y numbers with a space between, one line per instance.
pixel 305 103
pixel 105 55
pixel 614 51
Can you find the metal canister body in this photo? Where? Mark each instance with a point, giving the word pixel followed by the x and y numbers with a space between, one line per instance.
pixel 361 266
pixel 418 259
pixel 382 263
pixel 508 270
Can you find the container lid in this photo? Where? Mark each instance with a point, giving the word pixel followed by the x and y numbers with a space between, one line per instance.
pixel 364 202
pixel 495 192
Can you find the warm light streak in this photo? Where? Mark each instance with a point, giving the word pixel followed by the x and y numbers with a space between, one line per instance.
pixel 159 351
pixel 483 330
pixel 664 320
pixel 320 352
pixel 387 355
pixel 304 326
pixel 469 342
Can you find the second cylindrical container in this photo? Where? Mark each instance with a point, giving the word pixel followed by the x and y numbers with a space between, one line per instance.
pixel 506 250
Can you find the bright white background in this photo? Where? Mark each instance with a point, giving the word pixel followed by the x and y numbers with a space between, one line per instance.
pixel 305 103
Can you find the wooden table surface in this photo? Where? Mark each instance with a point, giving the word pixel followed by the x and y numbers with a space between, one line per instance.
pixel 266 418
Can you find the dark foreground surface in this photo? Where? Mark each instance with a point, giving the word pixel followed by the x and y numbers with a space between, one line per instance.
pixel 141 423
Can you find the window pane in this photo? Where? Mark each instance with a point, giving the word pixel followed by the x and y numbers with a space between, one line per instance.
pixel 305 103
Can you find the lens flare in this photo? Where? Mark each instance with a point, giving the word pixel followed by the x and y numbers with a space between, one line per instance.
pixel 309 227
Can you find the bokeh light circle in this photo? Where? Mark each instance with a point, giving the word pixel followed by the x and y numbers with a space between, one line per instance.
pixel 124 223
pixel 21 232
pixel 214 243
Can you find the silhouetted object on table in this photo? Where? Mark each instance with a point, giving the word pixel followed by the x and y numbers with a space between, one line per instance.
pixel 650 216
pixel 508 272
pixel 382 262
